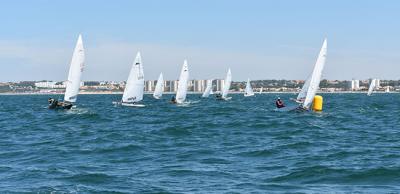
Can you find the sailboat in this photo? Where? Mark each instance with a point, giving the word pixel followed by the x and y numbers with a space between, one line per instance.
pixel 182 84
pixel 208 89
pixel 310 87
pixel 74 78
pixel 248 90
pixel 134 88
pixel 372 86
pixel 158 92
pixel 261 90
pixel 225 89
pixel 387 89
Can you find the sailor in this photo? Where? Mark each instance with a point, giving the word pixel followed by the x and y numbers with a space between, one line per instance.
pixel 173 100
pixel 53 103
pixel 279 103
pixel 218 95
pixel 50 100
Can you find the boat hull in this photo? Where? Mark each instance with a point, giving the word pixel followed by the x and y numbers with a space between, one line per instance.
pixel 132 104
pixel 63 106
pixel 290 109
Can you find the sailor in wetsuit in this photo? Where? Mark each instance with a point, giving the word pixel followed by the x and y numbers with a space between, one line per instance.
pixel 218 95
pixel 279 103
pixel 173 100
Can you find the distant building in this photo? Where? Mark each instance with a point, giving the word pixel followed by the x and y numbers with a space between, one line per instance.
pixel 47 84
pixel 200 85
pixel 377 83
pixel 150 85
pixel 355 85
pixel 53 85
pixel 170 86
pixel 219 84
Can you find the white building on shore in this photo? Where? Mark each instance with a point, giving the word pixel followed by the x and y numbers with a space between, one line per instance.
pixel 355 85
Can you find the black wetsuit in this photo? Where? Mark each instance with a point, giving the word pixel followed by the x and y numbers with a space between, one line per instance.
pixel 279 104
pixel 173 100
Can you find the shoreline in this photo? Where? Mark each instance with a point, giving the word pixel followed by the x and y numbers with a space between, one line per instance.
pixel 149 93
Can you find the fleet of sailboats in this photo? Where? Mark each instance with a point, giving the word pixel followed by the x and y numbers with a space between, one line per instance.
pixel 248 90
pixel 134 89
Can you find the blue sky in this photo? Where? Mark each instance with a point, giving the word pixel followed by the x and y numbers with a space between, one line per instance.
pixel 256 39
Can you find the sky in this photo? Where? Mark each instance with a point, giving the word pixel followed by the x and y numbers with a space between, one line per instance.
pixel 257 39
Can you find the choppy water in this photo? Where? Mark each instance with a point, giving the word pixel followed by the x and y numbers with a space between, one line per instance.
pixel 207 146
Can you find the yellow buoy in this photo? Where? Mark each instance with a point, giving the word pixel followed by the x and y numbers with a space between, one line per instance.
pixel 318 102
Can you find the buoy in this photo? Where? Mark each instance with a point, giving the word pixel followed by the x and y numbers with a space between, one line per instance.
pixel 318 102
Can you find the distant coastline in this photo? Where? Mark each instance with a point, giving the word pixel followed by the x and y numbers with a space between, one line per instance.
pixel 198 93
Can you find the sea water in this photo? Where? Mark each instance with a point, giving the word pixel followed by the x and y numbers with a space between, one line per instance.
pixel 204 146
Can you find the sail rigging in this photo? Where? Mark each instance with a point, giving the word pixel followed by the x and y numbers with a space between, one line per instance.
pixel 312 84
pixel 372 86
pixel 158 91
pixel 75 72
pixel 248 89
pixel 227 84
pixel 134 88
pixel 183 83
pixel 208 89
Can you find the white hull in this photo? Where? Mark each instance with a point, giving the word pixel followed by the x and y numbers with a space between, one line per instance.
pixel 128 104
pixel 248 95
pixel 226 98
pixel 132 105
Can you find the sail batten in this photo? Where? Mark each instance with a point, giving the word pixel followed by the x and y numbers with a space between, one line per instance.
pixel 75 72
pixel 183 83
pixel 135 84
pixel 158 91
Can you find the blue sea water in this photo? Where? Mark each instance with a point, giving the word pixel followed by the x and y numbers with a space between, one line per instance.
pixel 207 146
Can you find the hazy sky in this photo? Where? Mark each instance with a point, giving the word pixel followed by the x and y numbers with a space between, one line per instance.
pixel 256 39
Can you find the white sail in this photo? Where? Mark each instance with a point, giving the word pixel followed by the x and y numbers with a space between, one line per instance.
pixel 315 78
pixel 248 90
pixel 158 91
pixel 208 89
pixel 303 93
pixel 135 84
pixel 183 83
pixel 261 90
pixel 371 87
pixel 387 89
pixel 227 84
pixel 75 72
